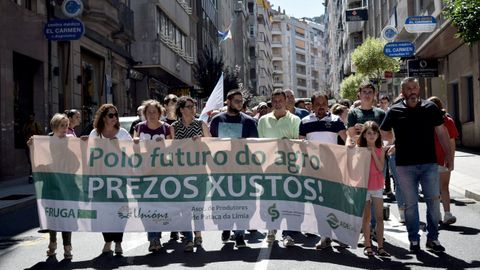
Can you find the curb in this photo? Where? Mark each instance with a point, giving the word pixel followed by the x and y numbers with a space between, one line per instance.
pixel 17 205
pixel 472 195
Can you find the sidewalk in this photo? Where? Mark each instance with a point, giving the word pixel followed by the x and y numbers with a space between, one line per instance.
pixel 465 179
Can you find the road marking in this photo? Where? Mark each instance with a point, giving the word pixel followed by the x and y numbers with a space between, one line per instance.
pixel 263 256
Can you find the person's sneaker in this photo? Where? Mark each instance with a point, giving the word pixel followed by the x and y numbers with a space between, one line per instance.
pixel 414 246
pixel 288 241
pixel 240 242
pixel 449 218
pixel 67 252
pixel 118 248
pixel 52 247
pixel 188 246
pixel 225 236
pixel 325 242
pixel 107 247
pixel 271 236
pixel 198 240
pixel 174 236
pixel 435 246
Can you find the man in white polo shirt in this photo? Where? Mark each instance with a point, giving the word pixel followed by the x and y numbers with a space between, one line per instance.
pixel 322 126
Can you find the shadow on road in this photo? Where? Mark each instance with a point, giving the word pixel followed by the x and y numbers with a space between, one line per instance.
pixel 173 254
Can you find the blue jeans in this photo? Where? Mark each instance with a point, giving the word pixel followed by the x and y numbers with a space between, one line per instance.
pixel 154 236
pixel 427 176
pixel 398 191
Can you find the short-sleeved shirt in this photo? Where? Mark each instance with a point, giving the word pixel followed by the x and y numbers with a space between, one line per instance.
pixel 184 132
pixel 324 130
pixel 414 130
pixel 237 126
pixel 301 113
pixel 285 127
pixel 145 133
pixel 375 176
pixel 360 116
pixel 122 134
pixel 452 134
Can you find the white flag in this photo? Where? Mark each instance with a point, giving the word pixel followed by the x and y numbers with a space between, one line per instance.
pixel 215 101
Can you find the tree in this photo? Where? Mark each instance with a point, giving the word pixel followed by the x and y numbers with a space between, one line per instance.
pixel 349 86
pixel 370 60
pixel 465 16
pixel 209 69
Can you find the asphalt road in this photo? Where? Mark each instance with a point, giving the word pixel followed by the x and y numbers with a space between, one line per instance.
pixel 22 247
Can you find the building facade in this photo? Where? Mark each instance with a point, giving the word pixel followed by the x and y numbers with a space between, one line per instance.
pixel 45 77
pixel 457 83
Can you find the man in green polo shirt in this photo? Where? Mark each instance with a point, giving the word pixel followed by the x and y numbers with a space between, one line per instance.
pixel 279 124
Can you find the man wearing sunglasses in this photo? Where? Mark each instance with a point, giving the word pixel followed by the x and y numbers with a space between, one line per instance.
pixel 234 124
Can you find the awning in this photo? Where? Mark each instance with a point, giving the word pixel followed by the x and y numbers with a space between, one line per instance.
pixel 440 43
pixel 159 73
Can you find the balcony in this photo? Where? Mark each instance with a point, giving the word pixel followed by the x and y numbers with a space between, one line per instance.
pixel 276 30
pixel 278 84
pixel 113 15
pixel 277 57
pixel 353 27
pixel 276 44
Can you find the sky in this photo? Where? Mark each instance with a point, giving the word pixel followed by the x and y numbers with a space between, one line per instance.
pixel 300 8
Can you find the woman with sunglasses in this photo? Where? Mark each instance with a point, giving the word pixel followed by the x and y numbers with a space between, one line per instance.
pixel 152 129
pixel 74 120
pixel 188 127
pixel 106 126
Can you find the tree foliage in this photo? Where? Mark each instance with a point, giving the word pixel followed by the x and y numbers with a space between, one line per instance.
pixel 208 70
pixel 465 16
pixel 349 86
pixel 370 60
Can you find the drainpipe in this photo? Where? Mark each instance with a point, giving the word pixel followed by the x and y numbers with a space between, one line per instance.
pixel 49 102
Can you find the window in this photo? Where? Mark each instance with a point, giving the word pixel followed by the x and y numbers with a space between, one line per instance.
pixel 470 116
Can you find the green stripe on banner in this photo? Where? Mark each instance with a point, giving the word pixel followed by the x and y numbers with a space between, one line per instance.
pixel 89 214
pixel 200 187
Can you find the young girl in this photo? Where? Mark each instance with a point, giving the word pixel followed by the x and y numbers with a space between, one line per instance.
pixel 59 125
pixel 370 138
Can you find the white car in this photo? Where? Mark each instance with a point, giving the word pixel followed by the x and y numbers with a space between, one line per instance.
pixel 126 121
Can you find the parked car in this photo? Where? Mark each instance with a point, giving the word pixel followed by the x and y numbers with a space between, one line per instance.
pixel 126 121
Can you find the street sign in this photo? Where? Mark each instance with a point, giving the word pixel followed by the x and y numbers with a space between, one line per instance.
pixel 389 33
pixel 420 24
pixel 399 49
pixel 422 68
pixel 63 30
pixel 72 8
pixel 354 15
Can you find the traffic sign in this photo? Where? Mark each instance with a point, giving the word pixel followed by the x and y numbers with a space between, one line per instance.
pixel 399 49
pixel 389 33
pixel 63 30
pixel 72 8
pixel 420 24
pixel 422 68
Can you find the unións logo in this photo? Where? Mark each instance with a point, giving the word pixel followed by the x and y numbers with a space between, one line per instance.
pixel 124 212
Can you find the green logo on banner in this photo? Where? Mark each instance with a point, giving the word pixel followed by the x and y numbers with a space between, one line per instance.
pixel 90 214
pixel 333 221
pixel 272 211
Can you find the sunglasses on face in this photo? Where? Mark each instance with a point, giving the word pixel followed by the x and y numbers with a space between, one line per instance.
pixel 111 115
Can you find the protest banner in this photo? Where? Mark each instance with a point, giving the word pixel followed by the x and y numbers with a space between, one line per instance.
pixel 104 185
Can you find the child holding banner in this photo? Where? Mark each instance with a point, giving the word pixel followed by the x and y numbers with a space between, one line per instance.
pixel 370 138
pixel 59 125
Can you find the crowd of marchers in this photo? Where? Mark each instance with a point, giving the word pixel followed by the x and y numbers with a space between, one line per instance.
pixel 411 141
